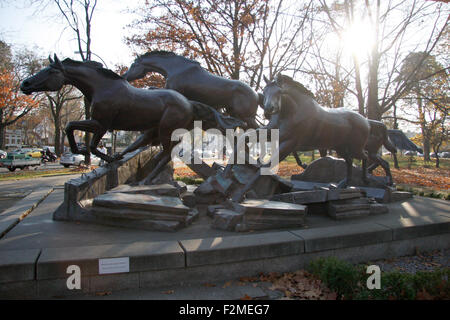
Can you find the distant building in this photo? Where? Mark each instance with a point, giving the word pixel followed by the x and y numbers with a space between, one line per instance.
pixel 13 138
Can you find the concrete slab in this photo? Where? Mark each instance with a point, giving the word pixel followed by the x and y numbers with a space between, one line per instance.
pixel 143 256
pixel 268 207
pixel 413 227
pixel 14 214
pixel 239 248
pixel 18 265
pixel 141 201
pixel 158 189
pixel 343 236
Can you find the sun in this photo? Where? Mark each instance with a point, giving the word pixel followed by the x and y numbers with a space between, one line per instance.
pixel 358 39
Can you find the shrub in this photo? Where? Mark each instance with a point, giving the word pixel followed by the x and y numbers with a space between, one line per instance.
pixel 349 282
pixel 339 276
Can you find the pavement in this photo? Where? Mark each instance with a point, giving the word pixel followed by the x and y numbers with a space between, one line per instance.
pixel 195 262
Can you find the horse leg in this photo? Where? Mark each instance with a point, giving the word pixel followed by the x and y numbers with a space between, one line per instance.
pixel 94 143
pixel 347 180
pixel 84 125
pixel 385 165
pixel 299 162
pixel 143 140
pixel 323 152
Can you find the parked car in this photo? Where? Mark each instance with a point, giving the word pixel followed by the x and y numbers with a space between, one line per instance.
pixel 35 153
pixel 3 154
pixel 445 154
pixel 32 152
pixel 70 159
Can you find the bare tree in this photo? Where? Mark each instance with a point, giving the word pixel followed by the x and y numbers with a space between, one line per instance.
pixel 393 25
pixel 78 15
pixel 232 38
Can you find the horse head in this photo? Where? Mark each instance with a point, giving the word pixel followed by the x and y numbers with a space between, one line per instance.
pixel 50 78
pixel 272 97
pixel 136 71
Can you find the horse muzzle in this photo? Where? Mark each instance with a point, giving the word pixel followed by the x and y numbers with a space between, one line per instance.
pixel 26 88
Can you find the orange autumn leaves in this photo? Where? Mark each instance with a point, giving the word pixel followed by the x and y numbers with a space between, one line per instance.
pixel 11 99
pixel 435 178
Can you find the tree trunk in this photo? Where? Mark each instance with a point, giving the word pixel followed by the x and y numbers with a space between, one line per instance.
pixel 61 146
pixel 57 139
pixel 2 136
pixel 426 147
pixel 2 131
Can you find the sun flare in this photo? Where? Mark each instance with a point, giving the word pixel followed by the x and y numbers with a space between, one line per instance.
pixel 358 39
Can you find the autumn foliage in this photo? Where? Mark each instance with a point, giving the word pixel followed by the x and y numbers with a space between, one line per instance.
pixel 13 104
pixel 11 100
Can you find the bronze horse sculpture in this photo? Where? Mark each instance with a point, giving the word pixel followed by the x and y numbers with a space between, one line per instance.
pixel 304 125
pixel 191 80
pixel 116 105
pixel 378 137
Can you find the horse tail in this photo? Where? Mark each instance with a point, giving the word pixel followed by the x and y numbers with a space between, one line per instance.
pixel 213 118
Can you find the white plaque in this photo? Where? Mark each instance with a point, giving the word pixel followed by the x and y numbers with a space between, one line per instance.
pixel 113 265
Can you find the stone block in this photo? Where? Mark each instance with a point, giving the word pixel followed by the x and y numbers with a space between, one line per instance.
pixel 378 208
pixel 219 250
pixel 188 198
pixel 302 197
pixel 137 214
pixel 400 196
pixel 156 189
pixel 225 219
pixel 18 265
pixel 145 202
pixel 415 227
pixel 53 262
pixel 343 236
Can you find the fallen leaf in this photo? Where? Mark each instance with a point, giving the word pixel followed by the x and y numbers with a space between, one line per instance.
pixel 246 297
pixel 168 292
pixel 209 285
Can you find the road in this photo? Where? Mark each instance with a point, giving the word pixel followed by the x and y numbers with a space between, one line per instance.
pixel 48 166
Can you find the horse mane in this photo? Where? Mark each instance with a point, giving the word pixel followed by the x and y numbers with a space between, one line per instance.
pixel 93 65
pixel 282 79
pixel 165 53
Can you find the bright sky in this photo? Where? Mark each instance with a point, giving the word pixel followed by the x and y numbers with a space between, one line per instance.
pixel 21 27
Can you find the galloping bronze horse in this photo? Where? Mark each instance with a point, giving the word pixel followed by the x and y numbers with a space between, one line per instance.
pixel 378 137
pixel 195 83
pixel 116 105
pixel 304 125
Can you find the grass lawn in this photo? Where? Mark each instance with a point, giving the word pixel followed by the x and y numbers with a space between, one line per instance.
pixel 30 174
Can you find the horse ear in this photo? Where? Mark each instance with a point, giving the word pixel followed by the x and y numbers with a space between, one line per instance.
pixel 58 62
pixel 50 59
pixel 267 81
